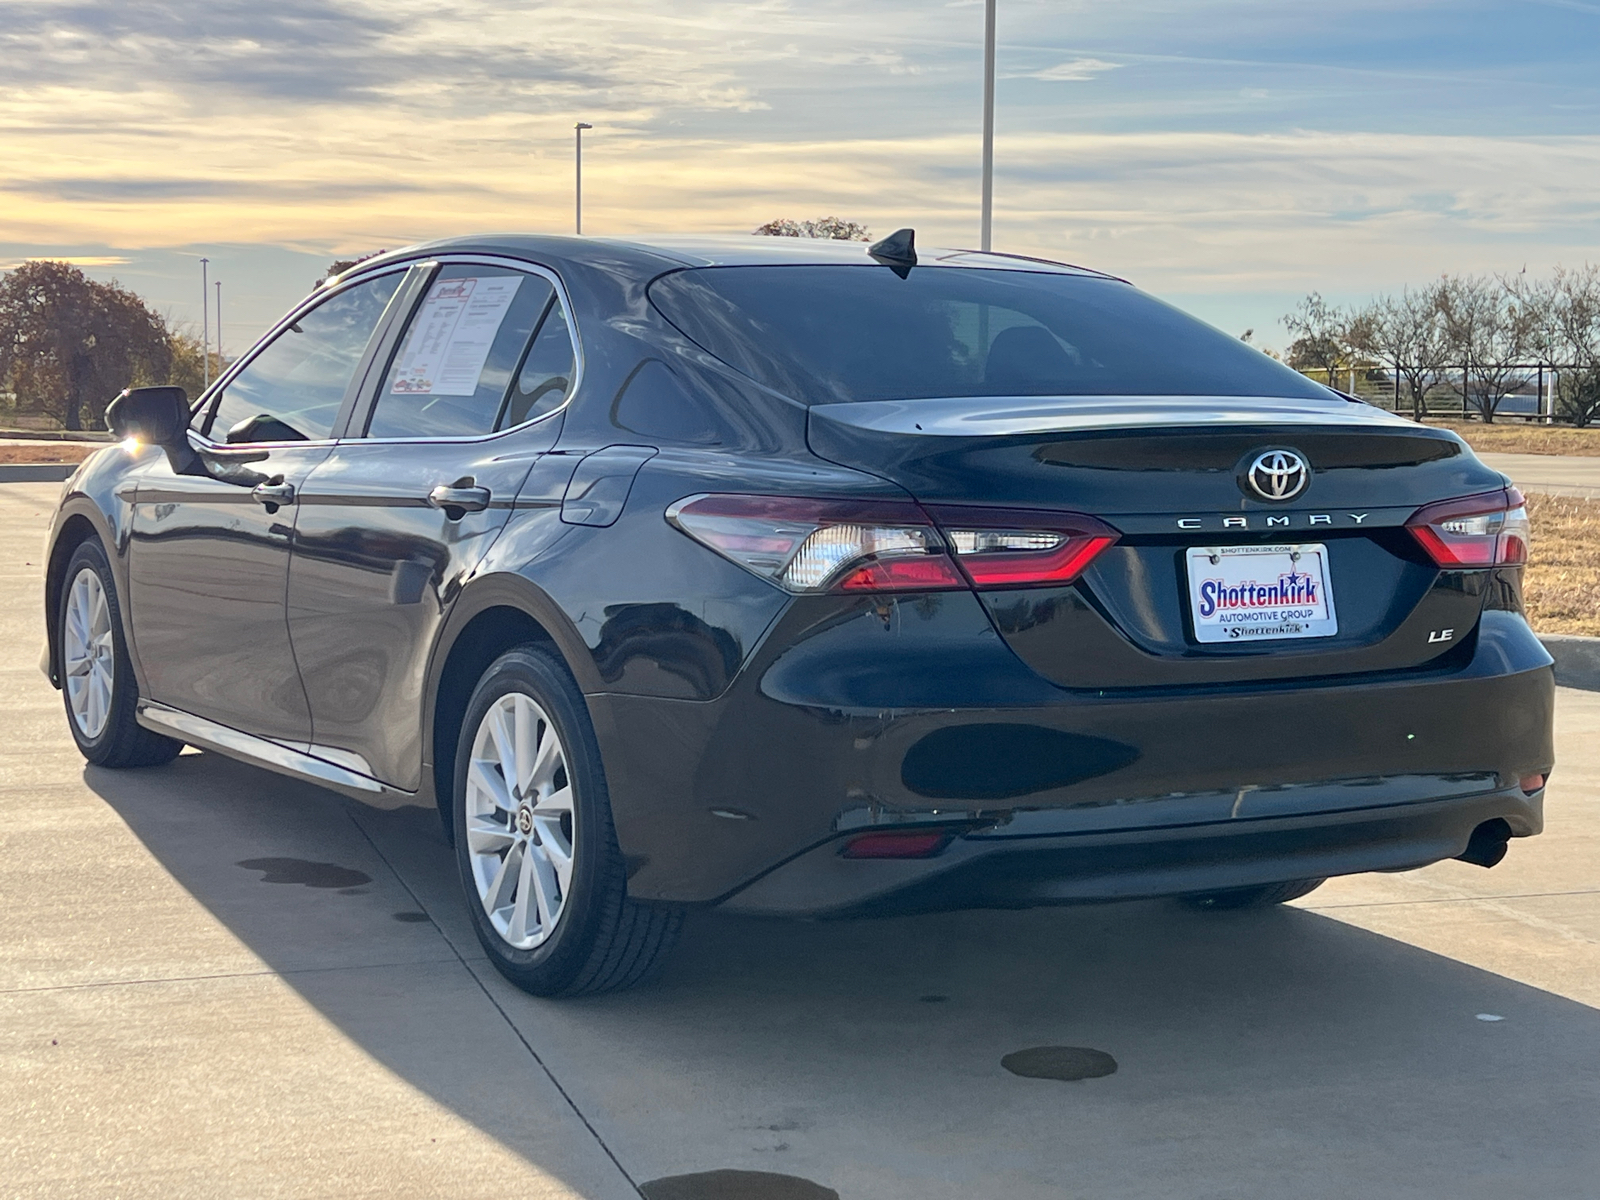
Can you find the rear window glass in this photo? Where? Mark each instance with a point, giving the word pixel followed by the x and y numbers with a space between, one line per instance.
pixel 832 334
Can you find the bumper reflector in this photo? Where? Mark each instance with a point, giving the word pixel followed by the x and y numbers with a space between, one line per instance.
pixel 1531 783
pixel 909 843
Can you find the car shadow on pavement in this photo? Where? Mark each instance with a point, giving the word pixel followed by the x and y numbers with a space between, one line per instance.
pixel 1256 1053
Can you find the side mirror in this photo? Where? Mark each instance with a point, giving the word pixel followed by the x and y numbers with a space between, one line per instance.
pixel 158 416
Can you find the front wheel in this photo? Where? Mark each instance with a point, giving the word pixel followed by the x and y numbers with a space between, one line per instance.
pixel 545 882
pixel 96 673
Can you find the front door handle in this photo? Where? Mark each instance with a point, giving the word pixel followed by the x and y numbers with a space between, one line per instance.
pixel 273 493
pixel 457 501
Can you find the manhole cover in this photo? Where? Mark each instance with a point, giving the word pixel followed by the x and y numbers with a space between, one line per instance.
pixel 1059 1062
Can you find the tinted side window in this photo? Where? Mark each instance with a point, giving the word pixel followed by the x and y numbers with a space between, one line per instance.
pixel 464 345
pixel 545 379
pixel 292 389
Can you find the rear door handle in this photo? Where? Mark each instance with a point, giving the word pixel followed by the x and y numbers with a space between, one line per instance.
pixel 273 494
pixel 457 501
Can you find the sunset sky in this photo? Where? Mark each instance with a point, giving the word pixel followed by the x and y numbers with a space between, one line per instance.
pixel 1226 155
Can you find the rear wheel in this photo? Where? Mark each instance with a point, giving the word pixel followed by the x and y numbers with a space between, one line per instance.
pixel 544 880
pixel 96 674
pixel 1254 897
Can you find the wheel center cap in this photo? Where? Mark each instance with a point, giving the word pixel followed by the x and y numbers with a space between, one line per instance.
pixel 525 819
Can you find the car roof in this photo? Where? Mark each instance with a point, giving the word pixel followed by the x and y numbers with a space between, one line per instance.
pixel 654 253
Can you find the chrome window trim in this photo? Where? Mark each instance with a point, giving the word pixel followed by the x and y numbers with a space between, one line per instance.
pixel 365 405
pixel 314 300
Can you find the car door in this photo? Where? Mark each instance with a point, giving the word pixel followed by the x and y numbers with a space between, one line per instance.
pixel 209 552
pixel 464 397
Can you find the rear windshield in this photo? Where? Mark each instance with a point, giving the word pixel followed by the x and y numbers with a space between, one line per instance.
pixel 832 334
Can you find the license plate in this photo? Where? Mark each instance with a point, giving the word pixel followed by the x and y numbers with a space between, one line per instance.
pixel 1260 593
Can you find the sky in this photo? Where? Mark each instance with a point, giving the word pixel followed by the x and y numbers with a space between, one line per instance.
pixel 1227 155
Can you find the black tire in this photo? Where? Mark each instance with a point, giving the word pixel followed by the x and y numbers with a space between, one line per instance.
pixel 1263 896
pixel 123 742
pixel 601 941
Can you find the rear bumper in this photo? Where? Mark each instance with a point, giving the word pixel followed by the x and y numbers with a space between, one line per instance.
pixel 983 870
pixel 908 712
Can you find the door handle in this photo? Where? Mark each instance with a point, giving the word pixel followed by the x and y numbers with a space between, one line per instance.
pixel 457 501
pixel 273 493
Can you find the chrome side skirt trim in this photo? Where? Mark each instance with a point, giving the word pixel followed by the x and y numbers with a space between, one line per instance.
pixel 198 731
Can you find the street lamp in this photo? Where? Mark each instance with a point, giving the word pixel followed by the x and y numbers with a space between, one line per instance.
pixel 219 328
pixel 987 219
pixel 205 325
pixel 577 179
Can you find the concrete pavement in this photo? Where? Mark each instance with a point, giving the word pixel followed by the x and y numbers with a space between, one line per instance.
pixel 217 981
pixel 1555 474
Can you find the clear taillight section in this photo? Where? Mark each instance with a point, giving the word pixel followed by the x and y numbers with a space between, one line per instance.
pixel 805 544
pixel 1488 530
pixel 810 545
pixel 1002 547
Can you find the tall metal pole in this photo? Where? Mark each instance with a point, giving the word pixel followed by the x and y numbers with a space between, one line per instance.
pixel 985 240
pixel 205 325
pixel 219 328
pixel 577 178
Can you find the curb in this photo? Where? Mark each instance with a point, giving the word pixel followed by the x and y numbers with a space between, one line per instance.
pixel 1577 659
pixel 36 472
pixel 56 435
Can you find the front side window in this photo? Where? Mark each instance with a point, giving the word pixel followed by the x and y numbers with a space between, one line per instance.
pixel 487 348
pixel 293 388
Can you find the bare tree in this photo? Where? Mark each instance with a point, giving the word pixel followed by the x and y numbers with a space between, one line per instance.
pixel 1491 330
pixel 340 265
pixel 1407 333
pixel 833 228
pixel 1319 331
pixel 1572 313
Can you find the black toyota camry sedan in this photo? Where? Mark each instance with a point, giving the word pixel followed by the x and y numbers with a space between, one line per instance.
pixel 806 578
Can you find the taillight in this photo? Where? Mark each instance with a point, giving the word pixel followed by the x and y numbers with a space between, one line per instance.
pixel 1489 530
pixel 1001 547
pixel 810 545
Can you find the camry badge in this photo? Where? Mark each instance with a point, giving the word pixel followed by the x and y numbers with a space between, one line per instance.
pixel 1278 475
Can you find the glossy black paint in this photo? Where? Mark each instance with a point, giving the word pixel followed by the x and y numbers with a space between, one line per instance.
pixel 743 728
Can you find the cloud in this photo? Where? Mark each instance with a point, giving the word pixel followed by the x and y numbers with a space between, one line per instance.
pixel 1077 70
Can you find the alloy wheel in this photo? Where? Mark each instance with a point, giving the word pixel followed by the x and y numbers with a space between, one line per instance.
pixel 88 653
pixel 520 820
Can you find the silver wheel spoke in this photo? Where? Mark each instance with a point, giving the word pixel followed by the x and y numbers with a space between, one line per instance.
pixel 545 764
pixel 88 653
pixel 520 820
pixel 488 837
pixel 517 928
pixel 482 776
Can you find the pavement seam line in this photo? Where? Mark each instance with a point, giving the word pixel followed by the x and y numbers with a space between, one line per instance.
pixel 504 1016
pixel 267 974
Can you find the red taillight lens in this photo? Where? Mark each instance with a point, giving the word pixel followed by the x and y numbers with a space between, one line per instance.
pixel 804 544
pixel 1489 530
pixel 907 843
pixel 1001 547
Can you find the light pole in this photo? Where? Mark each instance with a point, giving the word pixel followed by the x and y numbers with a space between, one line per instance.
pixel 205 325
pixel 219 328
pixel 987 219
pixel 577 178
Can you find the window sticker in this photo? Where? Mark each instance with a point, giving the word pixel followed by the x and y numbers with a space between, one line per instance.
pixel 450 339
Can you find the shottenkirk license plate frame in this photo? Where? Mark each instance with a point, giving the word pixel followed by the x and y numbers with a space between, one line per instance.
pixel 1242 595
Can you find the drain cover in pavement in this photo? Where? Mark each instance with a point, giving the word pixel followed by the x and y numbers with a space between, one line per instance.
pixel 735 1185
pixel 1059 1062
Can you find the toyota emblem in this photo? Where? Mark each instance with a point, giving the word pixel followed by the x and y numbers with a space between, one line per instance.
pixel 1278 475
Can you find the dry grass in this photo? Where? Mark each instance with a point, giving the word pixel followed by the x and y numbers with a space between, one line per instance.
pixel 45 452
pixel 1562 585
pixel 1521 437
